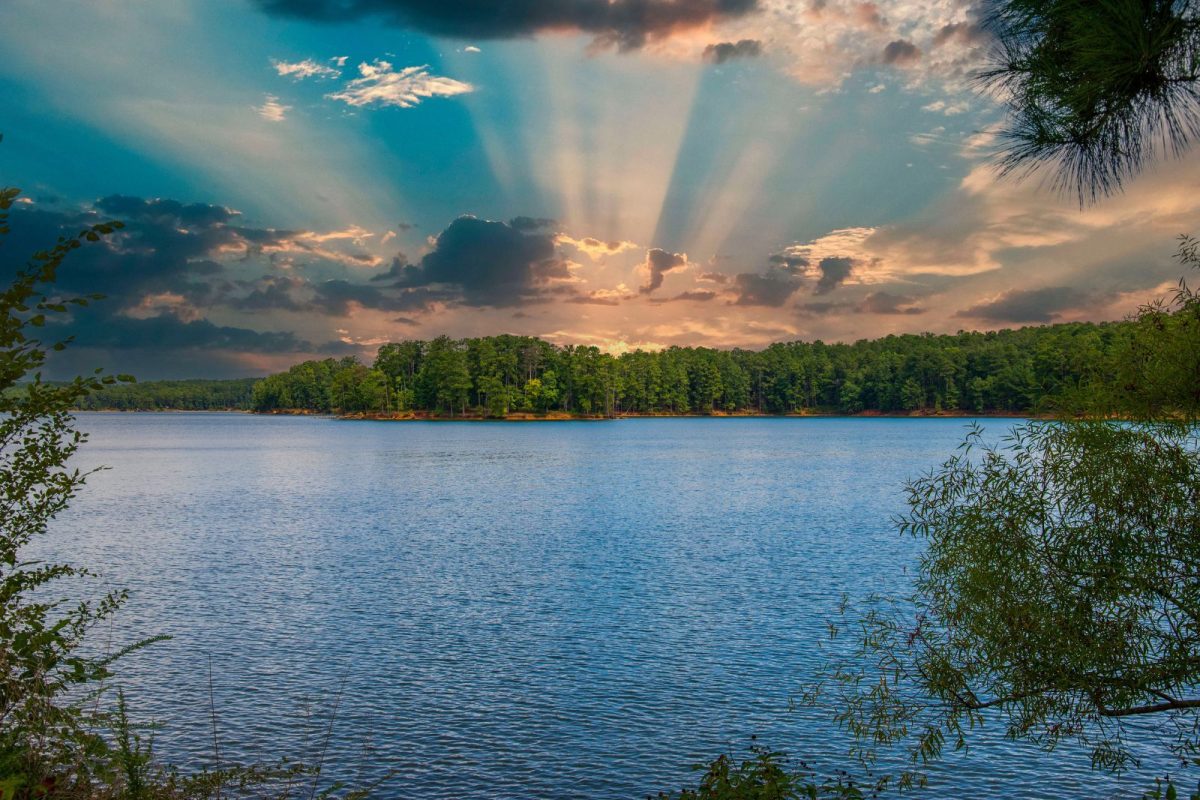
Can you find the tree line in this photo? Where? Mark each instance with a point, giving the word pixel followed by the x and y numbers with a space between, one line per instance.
pixel 185 395
pixel 1013 371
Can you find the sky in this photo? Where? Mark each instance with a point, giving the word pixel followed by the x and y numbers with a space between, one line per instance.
pixel 307 178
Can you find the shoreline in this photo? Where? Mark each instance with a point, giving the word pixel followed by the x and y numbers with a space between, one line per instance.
pixel 564 417
pixel 560 416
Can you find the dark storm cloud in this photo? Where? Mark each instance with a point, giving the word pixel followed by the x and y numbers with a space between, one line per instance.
pixel 883 303
pixel 97 327
pixel 627 24
pixel 165 259
pixel 400 270
pixel 159 277
pixel 337 297
pixel 658 263
pixel 160 210
pixel 271 292
pixel 1027 305
pixel 474 262
pixel 886 303
pixel 771 288
pixel 823 309
pixel 793 264
pixel 901 53
pixel 489 263
pixel 834 272
pixel 527 224
pixel 165 247
pixel 721 52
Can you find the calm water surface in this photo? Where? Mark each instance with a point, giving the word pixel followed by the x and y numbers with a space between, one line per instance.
pixel 503 610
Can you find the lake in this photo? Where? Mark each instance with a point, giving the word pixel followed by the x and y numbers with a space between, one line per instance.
pixel 507 610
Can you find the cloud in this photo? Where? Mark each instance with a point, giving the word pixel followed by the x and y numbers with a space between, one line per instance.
pixel 723 51
pixel 693 296
pixel 272 110
pixel 834 271
pixel 842 256
pixel 823 309
pixel 793 263
pixel 599 297
pixel 162 211
pixel 928 138
pixel 489 263
pixel 382 86
pixel 967 32
pixel 885 303
pixel 96 327
pixel 172 267
pixel 531 223
pixel 771 288
pixel 1027 305
pixel 186 260
pixel 901 53
pixel 158 276
pixel 308 68
pixel 339 297
pixel 826 44
pixel 625 24
pixel 988 224
pixel 334 297
pixel 949 109
pixel 657 264
pixel 713 277
pixel 272 292
pixel 595 249
pixel 698 296
pixel 788 271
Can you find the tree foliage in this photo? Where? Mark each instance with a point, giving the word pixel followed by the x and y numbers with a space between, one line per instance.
pixel 1010 371
pixel 1096 88
pixel 44 671
pixel 766 775
pixel 1059 591
pixel 1156 370
pixel 181 395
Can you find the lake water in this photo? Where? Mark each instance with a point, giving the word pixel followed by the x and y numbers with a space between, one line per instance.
pixel 505 610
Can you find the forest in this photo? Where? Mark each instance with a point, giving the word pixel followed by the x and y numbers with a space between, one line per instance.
pixel 1007 371
pixel 184 395
pixel 1012 371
